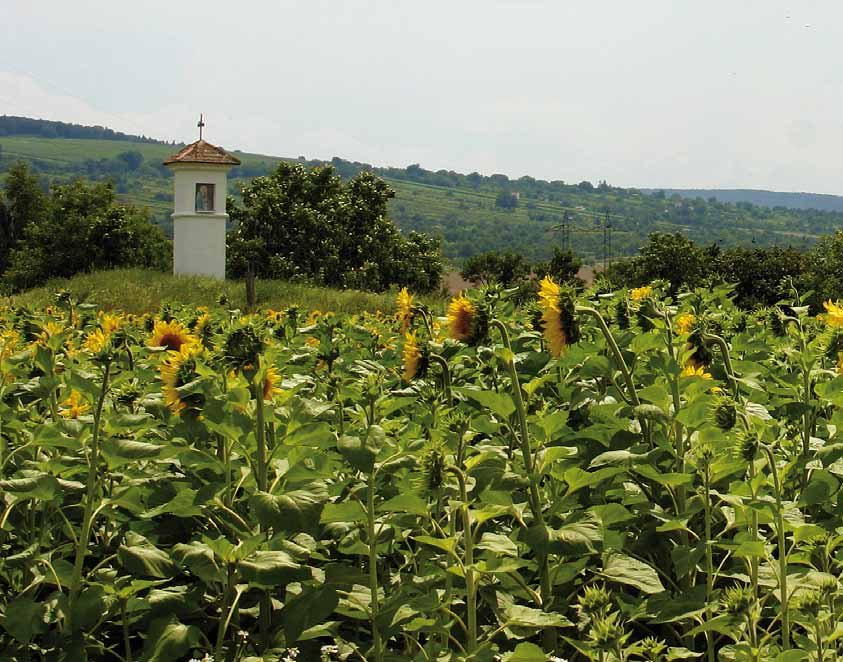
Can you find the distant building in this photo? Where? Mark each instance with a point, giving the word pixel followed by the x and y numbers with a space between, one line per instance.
pixel 199 215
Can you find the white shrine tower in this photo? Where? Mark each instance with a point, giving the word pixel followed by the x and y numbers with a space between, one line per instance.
pixel 199 216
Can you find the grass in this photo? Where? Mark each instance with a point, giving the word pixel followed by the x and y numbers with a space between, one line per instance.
pixel 140 291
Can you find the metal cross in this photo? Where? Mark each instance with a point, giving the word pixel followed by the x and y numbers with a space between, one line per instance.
pixel 200 125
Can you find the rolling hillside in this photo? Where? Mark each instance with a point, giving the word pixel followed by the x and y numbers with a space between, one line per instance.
pixel 469 212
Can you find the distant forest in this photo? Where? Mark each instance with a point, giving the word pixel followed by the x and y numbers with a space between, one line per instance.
pixel 11 125
pixel 762 198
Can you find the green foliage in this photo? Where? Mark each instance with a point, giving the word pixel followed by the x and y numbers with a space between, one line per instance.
pixel 24 203
pixel 506 200
pixel 307 224
pixel 509 505
pixel 80 228
pixel 505 268
pixel 563 267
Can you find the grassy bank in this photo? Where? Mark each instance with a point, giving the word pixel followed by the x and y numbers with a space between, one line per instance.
pixel 140 291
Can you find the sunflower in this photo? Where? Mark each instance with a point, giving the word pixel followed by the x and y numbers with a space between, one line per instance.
pixel 690 370
pixel 834 316
pixel 640 293
pixel 551 318
pixel 49 330
pixel 73 406
pixel 275 316
pixel 414 358
pixel 97 341
pixel 271 379
pixel 176 370
pixel 684 323
pixel 404 301
pixel 171 335
pixel 461 313
pixel 110 323
pixel 9 340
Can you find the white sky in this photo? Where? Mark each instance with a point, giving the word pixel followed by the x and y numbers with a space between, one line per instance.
pixel 650 93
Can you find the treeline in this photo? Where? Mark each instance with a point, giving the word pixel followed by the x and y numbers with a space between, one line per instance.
pixel 760 276
pixel 11 125
pixel 69 229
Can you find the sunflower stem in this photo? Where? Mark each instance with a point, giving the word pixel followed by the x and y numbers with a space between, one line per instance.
pixel 785 616
pixel 265 616
pixel 535 502
pixel 446 376
pixel 468 544
pixel 90 494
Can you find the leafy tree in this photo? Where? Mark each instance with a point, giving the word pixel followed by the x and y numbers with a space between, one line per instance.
pixel 563 267
pixel 84 228
pixel 825 269
pixel 670 257
pixel 300 223
pixel 759 274
pixel 506 200
pixel 505 268
pixel 24 203
pixel 133 159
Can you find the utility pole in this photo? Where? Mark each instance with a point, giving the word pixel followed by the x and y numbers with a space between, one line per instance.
pixel 607 240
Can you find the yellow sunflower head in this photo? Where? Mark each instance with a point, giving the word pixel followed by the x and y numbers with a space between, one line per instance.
pixel 461 315
pixel 404 303
pixel 73 406
pixel 176 370
pixel 172 335
pixel 97 342
pixel 271 379
pixel 684 323
pixel 641 293
pixel 49 330
pixel 415 357
pixel 110 322
pixel 691 370
pixel 834 313
pixel 558 321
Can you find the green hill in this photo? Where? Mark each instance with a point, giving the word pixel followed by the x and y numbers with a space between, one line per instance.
pixel 472 213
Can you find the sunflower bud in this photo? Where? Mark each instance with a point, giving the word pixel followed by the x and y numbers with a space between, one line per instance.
pixel 242 347
pixel 652 648
pixel 746 446
pixel 810 603
pixel 737 601
pixel 725 413
pixel 433 467
pixel 607 633
pixel 594 601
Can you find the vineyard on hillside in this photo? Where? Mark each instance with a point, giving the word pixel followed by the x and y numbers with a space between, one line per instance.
pixel 611 476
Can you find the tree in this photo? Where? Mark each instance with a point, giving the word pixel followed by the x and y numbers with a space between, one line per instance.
pixel 671 257
pixel 506 200
pixel 133 159
pixel 825 269
pixel 506 268
pixel 562 267
pixel 84 228
pixel 25 203
pixel 300 223
pixel 759 274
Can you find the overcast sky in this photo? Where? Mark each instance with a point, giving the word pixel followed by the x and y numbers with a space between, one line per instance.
pixel 649 93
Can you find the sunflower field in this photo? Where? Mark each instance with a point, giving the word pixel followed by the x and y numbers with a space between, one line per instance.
pixel 610 476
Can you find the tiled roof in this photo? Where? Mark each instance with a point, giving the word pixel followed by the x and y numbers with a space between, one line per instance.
pixel 203 152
